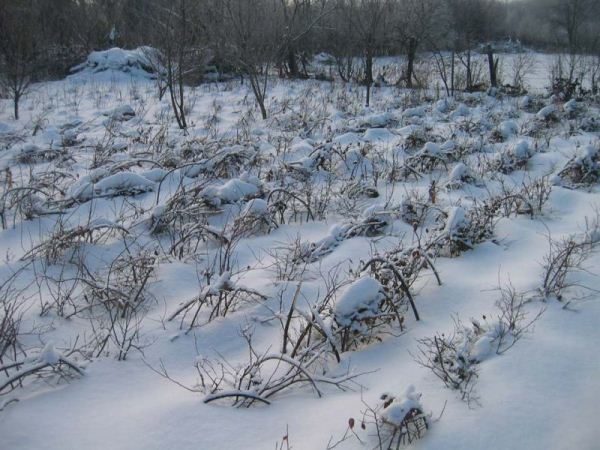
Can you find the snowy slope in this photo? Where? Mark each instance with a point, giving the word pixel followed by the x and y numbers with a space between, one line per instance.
pixel 114 186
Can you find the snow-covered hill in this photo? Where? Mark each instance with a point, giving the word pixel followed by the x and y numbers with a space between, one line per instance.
pixel 286 283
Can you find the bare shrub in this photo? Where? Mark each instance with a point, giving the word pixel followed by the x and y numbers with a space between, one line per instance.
pixel 220 296
pixel 117 300
pixel 397 420
pixel 261 377
pixel 47 363
pixel 583 169
pixel 565 258
pixel 449 360
pixel 454 358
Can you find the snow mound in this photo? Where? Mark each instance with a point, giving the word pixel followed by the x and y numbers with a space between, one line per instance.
pixel 457 219
pixel 99 183
pixel 399 409
pixel 255 207
pixel 232 191
pixel 123 181
pixel 121 113
pixel 547 113
pixel 133 62
pixel 361 298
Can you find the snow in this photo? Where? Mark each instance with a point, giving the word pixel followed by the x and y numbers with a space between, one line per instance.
pixel 256 206
pixel 362 294
pixel 122 181
pixel 92 169
pixel 418 111
pixel 547 112
pixel 232 191
pixel 134 62
pixel 456 220
pixel 49 355
pixel 401 406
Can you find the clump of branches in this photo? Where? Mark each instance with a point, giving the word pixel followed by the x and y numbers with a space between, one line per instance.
pixel 184 218
pixel 454 358
pixel 65 239
pixel 26 203
pixel 216 159
pixel 117 300
pixel 449 359
pixel 289 205
pixel 427 159
pixel 255 218
pixel 515 157
pixel 13 304
pixel 219 297
pixel 264 375
pixel 47 363
pixel 566 257
pixel 462 229
pixel 373 222
pixel 397 420
pixel 583 169
pixel 32 154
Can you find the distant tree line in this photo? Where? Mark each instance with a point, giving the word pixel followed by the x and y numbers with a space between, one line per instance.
pixel 43 38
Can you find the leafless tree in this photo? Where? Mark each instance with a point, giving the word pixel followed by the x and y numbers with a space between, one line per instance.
pixel 417 22
pixel 179 41
pixel 20 49
pixel 370 20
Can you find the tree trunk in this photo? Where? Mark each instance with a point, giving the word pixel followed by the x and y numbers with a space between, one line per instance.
pixel 469 73
pixel 292 63
pixel 411 54
pixel 369 74
pixel 16 99
pixel 493 66
pixel 452 69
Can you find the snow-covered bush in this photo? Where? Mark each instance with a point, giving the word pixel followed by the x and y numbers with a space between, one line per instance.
pixel 548 114
pixel 262 376
pixel 505 131
pixel 118 184
pixel 219 297
pixel 583 168
pixel 515 157
pixel 456 234
pixel 429 158
pixel 458 176
pixel 47 363
pixel 396 420
pixel 133 62
pixel 31 154
pixel 449 358
pixel 454 358
pixel 360 312
pixel 234 190
pixel 255 218
pixel 373 222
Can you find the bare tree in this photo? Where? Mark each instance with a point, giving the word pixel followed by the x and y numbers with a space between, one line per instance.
pixel 19 49
pixel 417 22
pixel 570 17
pixel 179 43
pixel 370 23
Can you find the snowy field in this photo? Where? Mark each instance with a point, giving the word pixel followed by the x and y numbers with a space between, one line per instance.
pixel 139 262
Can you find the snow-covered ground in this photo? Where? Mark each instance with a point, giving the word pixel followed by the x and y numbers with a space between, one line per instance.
pixel 138 257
